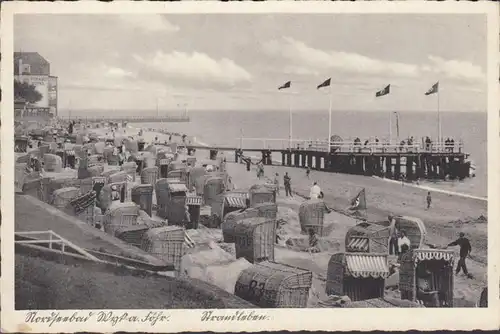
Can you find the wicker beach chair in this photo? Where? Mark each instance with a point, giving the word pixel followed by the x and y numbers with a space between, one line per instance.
pixel 118 177
pixel 62 197
pixel 149 175
pixel 83 206
pixel 130 168
pixel 52 163
pixel 414 228
pixel 213 187
pixel 274 285
pixel 311 216
pixel 165 243
pixel 112 192
pixel 368 238
pixel 142 195
pixel 254 238
pixel 194 204
pixel 196 179
pixel 359 276
pixel 261 193
pixel 438 264
pixel 119 216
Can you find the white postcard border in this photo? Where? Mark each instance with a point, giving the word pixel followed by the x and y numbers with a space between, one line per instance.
pixel 277 319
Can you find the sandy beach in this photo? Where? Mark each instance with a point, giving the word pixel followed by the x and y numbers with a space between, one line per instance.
pixel 448 215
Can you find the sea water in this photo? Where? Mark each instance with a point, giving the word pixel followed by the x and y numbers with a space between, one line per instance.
pixel 225 128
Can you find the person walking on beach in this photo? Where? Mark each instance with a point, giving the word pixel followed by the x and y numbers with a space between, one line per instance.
pixel 429 200
pixel 277 183
pixel 465 249
pixel 308 172
pixel 315 191
pixel 288 187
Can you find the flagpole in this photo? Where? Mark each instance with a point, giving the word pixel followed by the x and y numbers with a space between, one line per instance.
pixel 290 120
pixel 397 125
pixel 390 128
pixel 330 120
pixel 439 119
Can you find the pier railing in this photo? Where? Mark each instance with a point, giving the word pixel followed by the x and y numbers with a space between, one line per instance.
pixel 349 146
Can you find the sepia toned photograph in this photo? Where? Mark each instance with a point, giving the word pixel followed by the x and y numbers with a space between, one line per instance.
pixel 236 162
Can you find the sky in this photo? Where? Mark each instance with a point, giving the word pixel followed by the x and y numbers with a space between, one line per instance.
pixel 238 61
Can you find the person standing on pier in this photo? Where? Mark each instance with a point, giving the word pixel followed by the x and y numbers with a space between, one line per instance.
pixel 288 187
pixel 429 200
pixel 465 249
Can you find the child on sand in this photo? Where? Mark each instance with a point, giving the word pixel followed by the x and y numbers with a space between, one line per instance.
pixel 429 200
pixel 308 172
pixel 287 182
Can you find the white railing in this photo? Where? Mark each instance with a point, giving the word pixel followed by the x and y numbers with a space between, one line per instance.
pixel 348 146
pixel 51 239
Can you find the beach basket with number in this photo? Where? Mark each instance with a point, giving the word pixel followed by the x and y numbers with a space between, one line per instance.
pixel 254 238
pixel 149 175
pixel 274 285
pixel 359 276
pixel 62 197
pixel 261 193
pixel 119 216
pixel 142 195
pixel 165 243
pixel 368 238
pixel 311 215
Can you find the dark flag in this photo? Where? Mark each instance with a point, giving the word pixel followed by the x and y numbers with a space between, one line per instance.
pixel 434 89
pixel 384 91
pixel 285 85
pixel 325 84
pixel 359 202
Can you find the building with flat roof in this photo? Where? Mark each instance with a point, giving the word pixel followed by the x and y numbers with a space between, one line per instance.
pixel 33 69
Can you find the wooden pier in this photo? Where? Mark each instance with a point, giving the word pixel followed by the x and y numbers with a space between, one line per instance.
pixel 132 119
pixel 390 161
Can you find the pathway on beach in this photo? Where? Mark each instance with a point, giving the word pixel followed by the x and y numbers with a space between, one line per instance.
pixel 382 198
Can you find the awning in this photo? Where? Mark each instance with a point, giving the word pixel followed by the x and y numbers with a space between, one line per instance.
pixel 358 244
pixel 194 200
pixel 367 265
pixel 236 202
pixel 429 254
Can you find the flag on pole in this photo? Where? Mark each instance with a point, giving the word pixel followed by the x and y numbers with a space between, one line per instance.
pixel 359 202
pixel 384 91
pixel 326 83
pixel 285 85
pixel 434 89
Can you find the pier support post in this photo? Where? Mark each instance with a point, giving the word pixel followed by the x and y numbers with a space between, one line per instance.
pixel 397 168
pixel 289 158
pixel 318 162
pixel 309 160
pixel 388 167
pixel 409 168
pixel 295 159
pixel 283 158
pixel 442 168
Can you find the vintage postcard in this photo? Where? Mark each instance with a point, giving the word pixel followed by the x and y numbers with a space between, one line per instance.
pixel 206 166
